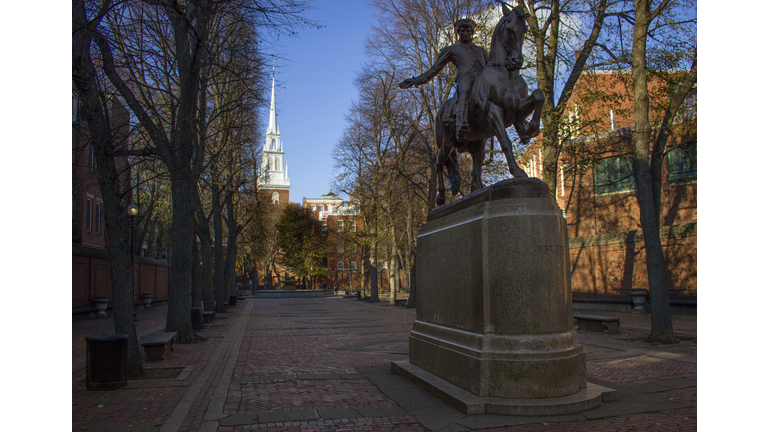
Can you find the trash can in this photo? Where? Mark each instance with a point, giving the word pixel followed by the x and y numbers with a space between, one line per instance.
pixel 233 300
pixel 106 362
pixel 197 318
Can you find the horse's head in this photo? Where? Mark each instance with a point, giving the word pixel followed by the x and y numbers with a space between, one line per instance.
pixel 507 40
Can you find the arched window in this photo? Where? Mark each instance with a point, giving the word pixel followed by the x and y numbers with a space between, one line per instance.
pixel 275 198
pixel 272 147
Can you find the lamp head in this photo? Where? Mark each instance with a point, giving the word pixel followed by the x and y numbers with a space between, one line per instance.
pixel 133 210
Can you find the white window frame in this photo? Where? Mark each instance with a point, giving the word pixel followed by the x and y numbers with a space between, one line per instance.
pixel 340 265
pixel 340 246
pixel 340 226
pixel 353 226
pixel 97 215
pixel 353 265
pixel 88 213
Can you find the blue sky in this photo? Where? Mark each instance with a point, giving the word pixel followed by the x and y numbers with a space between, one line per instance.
pixel 315 88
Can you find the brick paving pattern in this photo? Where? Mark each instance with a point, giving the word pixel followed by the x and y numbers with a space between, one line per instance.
pixel 304 356
pixel 667 421
pixel 316 394
pixel 638 369
pixel 394 424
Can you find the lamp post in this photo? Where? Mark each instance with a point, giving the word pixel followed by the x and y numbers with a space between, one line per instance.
pixel 133 210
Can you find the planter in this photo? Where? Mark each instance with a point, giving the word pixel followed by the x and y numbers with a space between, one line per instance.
pixel 639 299
pixel 147 300
pixel 101 306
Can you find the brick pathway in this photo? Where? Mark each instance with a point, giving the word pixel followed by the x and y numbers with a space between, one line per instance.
pixel 323 364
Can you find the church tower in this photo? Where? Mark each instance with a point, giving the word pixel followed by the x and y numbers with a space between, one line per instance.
pixel 273 175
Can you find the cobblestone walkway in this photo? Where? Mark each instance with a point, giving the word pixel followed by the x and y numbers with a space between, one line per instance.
pixel 323 365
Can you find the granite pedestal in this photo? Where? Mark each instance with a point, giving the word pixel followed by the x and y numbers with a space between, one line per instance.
pixel 494 298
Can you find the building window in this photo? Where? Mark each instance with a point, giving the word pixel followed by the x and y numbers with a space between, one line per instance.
pixel 353 265
pixel 97 218
pixel 313 208
pixel 340 247
pixel 682 163
pixel 88 214
pixel 324 231
pixel 353 248
pixel 614 175
pixel 275 198
pixel 340 226
pixel 340 265
pixel 352 226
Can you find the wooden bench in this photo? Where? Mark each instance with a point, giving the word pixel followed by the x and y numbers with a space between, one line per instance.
pixel 158 346
pixel 597 323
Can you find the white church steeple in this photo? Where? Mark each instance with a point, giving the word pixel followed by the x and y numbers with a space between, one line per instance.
pixel 274 170
pixel 272 112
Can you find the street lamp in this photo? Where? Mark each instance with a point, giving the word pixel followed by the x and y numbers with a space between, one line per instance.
pixel 133 210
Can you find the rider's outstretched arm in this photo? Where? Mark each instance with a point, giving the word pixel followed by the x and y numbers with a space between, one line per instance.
pixel 445 56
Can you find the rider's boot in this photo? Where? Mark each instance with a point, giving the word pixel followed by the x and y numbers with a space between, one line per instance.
pixel 462 126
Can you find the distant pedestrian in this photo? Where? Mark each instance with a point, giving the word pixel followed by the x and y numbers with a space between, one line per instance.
pixel 324 286
pixel 336 289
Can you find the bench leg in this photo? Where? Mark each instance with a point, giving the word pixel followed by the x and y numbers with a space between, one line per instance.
pixel 611 327
pixel 155 353
pixel 589 325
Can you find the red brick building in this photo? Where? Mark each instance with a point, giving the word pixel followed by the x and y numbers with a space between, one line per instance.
pixel 90 258
pixel 596 191
pixel 343 227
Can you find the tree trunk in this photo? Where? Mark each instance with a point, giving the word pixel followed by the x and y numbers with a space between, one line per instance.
pixel 231 259
pixel 197 279
pixel 392 266
pixel 219 279
pixel 116 227
pixel 374 278
pixel 412 276
pixel 661 317
pixel 206 273
pixel 179 318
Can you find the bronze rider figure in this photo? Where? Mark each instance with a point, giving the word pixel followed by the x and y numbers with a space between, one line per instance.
pixel 469 60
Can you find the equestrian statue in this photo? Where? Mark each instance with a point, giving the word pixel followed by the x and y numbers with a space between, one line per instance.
pixel 490 96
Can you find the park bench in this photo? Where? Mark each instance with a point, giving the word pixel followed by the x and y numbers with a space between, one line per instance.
pixel 158 346
pixel 597 323
pixel 208 316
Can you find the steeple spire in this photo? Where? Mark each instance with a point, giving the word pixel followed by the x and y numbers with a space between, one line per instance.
pixel 272 113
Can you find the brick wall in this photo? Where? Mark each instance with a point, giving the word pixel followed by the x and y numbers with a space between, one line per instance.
pixel 610 265
pixel 91 278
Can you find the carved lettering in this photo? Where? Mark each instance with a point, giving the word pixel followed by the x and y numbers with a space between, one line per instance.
pixel 539 250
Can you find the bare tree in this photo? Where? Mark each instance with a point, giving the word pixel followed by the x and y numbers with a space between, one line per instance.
pixel 648 161
pixel 115 192
pixel 154 53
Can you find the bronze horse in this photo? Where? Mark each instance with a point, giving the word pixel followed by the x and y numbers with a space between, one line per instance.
pixel 499 98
